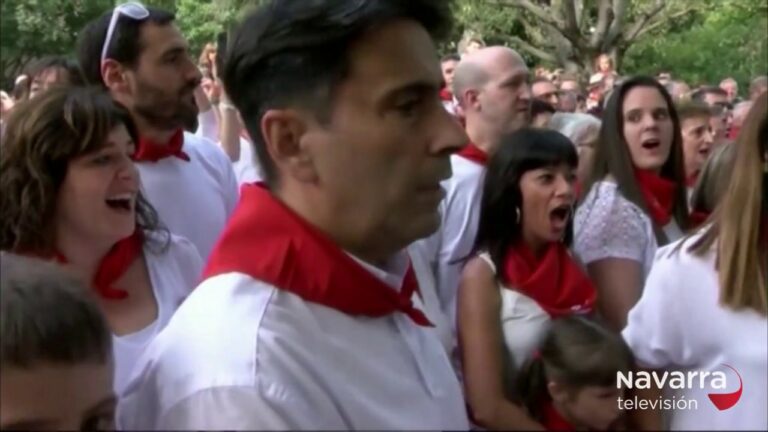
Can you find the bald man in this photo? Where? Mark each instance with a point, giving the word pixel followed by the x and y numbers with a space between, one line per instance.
pixel 492 90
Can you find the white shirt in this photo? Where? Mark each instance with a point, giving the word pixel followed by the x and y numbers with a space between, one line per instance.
pixel 523 322
pixel 173 272
pixel 242 354
pixel 607 225
pixel 208 125
pixel 247 168
pixel 679 325
pixel 453 242
pixel 194 199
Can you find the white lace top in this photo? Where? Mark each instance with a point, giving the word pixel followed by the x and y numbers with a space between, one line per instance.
pixel 607 225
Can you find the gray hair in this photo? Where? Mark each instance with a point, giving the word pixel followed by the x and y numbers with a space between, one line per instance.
pixel 573 125
pixel 48 316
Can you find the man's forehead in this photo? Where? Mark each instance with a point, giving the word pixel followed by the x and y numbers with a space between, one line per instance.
pixel 158 39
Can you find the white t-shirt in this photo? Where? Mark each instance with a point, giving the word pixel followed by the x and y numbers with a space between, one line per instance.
pixel 607 225
pixel 247 168
pixel 241 354
pixel 523 322
pixel 679 325
pixel 208 125
pixel 453 242
pixel 173 272
pixel 194 199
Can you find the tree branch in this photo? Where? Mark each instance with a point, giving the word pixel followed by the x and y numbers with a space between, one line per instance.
pixel 619 18
pixel 661 22
pixel 603 16
pixel 525 46
pixel 571 25
pixel 540 13
pixel 643 21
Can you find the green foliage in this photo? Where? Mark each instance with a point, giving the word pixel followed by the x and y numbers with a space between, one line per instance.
pixel 731 41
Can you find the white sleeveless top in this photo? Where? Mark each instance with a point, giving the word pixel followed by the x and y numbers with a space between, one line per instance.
pixel 523 322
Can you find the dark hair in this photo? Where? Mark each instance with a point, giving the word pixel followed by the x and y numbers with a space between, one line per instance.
pixel 74 74
pixel 576 353
pixel 296 52
pixel 539 106
pixel 48 315
pixel 40 139
pixel 612 155
pixel 450 57
pixel 125 46
pixel 519 152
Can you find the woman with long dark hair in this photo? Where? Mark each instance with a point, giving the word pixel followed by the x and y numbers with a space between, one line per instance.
pixel 635 197
pixel 521 274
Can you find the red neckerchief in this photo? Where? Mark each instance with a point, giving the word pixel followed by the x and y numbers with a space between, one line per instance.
pixel 149 151
pixel 658 194
pixel 555 282
pixel 446 95
pixel 474 153
pixel 697 218
pixel 553 421
pixel 267 241
pixel 114 265
pixel 690 181
pixel 733 133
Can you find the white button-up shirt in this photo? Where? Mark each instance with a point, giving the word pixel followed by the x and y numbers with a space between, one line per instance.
pixel 243 354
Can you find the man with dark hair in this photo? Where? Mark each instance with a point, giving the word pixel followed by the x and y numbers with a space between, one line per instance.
pixel 544 90
pixel 698 137
pixel 140 56
pixel 541 113
pixel 309 316
pixel 717 99
pixel 51 71
pixel 56 364
pixel 448 65
pixel 757 87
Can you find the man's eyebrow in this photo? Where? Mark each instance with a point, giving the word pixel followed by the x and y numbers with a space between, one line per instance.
pixel 421 87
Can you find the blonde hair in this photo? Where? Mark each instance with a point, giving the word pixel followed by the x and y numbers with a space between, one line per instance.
pixel 739 228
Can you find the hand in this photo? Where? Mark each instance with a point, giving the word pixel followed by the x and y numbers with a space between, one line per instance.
pixel 212 89
pixel 6 103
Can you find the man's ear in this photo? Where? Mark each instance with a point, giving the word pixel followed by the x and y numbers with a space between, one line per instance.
pixel 557 391
pixel 471 98
pixel 284 132
pixel 114 76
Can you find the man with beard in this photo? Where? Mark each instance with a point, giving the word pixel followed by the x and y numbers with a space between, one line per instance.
pixel 140 56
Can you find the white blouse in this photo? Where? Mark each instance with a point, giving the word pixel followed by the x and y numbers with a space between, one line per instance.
pixel 680 325
pixel 524 323
pixel 173 273
pixel 607 225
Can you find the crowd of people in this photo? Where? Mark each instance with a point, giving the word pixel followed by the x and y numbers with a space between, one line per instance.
pixel 323 225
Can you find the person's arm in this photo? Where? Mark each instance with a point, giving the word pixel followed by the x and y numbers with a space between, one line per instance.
pixel 619 283
pixel 229 134
pixel 481 342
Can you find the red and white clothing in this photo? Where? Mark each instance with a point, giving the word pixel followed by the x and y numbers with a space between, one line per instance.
pixel 246 353
pixel 453 242
pixel 607 225
pixel 680 325
pixel 173 272
pixel 194 198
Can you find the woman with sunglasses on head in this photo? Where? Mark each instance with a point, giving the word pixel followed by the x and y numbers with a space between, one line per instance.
pixel 705 304
pixel 635 195
pixel 521 275
pixel 69 192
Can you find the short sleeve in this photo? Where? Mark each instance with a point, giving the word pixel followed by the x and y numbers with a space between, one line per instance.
pixel 609 226
pixel 656 324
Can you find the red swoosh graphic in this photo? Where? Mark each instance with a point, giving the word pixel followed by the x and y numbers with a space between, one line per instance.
pixel 724 401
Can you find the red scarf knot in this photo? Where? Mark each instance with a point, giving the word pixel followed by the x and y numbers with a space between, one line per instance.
pixel 446 95
pixel 114 265
pixel 658 195
pixel 150 151
pixel 554 281
pixel 267 241
pixel 474 153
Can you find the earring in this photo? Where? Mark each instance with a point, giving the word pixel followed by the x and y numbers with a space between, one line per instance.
pixel 517 214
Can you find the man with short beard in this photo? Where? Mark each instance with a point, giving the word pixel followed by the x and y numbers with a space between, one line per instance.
pixel 145 64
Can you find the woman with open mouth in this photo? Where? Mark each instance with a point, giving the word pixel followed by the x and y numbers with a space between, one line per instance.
pixel 69 192
pixel 635 196
pixel 521 274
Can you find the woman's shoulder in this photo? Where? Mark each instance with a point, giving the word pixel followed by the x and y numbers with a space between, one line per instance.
pixel 166 247
pixel 605 200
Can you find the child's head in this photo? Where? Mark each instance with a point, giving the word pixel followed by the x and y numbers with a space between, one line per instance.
pixel 576 370
pixel 55 351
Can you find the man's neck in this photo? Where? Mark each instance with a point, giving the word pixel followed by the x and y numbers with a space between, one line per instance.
pixel 482 138
pixel 157 136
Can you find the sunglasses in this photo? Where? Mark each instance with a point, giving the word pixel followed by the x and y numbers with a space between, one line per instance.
pixel 133 10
